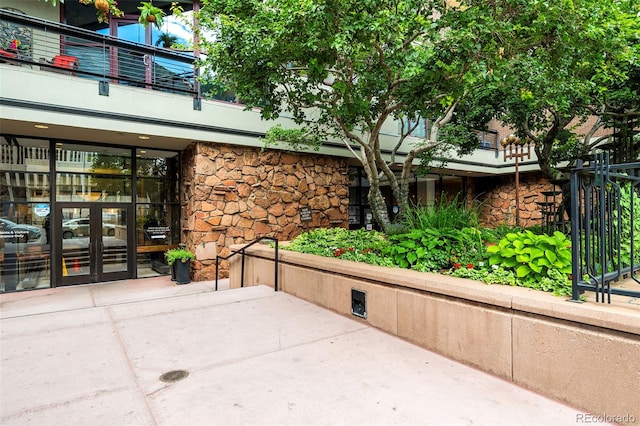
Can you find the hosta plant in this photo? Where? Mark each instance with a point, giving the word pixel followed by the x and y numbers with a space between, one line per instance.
pixel 531 256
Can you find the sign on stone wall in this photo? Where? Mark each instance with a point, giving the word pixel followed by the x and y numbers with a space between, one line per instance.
pixel 305 214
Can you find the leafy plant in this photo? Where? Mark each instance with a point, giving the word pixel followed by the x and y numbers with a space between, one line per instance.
pixel 468 247
pixel 427 249
pixel 166 40
pixel 629 201
pixel 445 214
pixel 178 254
pixel 150 14
pixel 532 256
pixel 104 8
pixel 358 245
pixel 501 276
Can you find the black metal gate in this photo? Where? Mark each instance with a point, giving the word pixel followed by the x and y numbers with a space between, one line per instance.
pixel 605 227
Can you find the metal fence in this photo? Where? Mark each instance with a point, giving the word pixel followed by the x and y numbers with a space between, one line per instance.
pixel 55 47
pixel 605 227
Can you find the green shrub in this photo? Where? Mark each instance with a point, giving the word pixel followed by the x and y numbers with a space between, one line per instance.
pixel 358 245
pixel 445 214
pixel 423 249
pixel 623 214
pixel 532 256
pixel 180 254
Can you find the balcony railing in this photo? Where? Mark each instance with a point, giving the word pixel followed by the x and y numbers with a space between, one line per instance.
pixel 55 47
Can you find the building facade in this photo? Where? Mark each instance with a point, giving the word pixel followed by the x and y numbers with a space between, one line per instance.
pixel 110 154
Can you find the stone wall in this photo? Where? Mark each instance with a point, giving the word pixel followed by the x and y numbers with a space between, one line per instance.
pixel 233 195
pixel 498 197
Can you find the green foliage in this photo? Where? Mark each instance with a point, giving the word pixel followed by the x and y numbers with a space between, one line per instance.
pixel 629 201
pixel 150 14
pixel 359 245
pixel 532 256
pixel 566 64
pixel 431 250
pixel 178 254
pixel 445 214
pixel 343 70
pixel 423 249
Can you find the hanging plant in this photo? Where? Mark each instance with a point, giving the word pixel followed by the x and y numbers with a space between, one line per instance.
pixel 150 14
pixel 104 8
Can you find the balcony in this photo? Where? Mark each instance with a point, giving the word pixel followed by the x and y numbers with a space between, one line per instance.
pixel 59 48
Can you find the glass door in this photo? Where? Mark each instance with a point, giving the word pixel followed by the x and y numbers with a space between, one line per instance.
pixel 95 243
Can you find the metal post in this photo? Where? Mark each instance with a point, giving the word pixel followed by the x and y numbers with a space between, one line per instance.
pixel 516 151
pixel 217 263
pixel 242 270
pixel 276 267
pixel 575 237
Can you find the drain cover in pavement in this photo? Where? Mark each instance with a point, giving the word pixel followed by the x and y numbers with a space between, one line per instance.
pixel 174 376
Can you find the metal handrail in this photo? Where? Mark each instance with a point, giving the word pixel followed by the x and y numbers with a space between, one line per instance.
pixel 242 252
pixel 97 56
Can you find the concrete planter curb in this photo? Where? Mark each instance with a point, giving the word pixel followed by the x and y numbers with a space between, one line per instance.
pixel 587 355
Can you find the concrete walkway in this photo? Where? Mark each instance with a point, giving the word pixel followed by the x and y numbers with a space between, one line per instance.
pixel 93 355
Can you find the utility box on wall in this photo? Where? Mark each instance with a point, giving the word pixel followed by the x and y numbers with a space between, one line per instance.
pixel 359 303
pixel 206 250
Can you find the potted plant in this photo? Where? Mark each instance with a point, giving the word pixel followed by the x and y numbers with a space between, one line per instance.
pixel 104 8
pixel 150 14
pixel 166 40
pixel 180 261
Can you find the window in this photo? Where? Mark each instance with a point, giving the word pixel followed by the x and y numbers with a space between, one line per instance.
pixel 419 127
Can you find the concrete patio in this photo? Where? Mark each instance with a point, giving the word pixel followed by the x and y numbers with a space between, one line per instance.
pixel 93 355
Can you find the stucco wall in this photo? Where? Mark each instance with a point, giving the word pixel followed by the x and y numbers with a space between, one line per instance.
pixel 233 195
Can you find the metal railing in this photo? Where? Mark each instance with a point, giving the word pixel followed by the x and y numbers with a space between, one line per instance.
pixel 605 227
pixel 242 252
pixel 51 46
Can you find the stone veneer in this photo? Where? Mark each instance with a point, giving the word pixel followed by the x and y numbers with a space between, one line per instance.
pixel 233 195
pixel 498 195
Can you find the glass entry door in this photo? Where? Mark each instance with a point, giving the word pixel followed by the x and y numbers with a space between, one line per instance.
pixel 95 243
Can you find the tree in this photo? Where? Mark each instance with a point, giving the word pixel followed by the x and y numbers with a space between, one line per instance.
pixel 346 68
pixel 569 62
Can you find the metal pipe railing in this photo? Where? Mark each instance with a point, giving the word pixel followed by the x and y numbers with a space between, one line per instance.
pixel 242 252
pixel 56 47
pixel 598 233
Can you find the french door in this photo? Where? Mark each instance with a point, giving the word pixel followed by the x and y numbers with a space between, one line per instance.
pixel 94 242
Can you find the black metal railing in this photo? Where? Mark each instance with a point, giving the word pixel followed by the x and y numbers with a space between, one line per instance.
pixel 242 252
pixel 605 227
pixel 51 46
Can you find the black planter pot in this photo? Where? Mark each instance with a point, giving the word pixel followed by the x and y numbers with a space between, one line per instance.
pixel 183 271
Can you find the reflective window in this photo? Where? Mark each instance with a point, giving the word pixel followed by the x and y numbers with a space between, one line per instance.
pixel 24 246
pixel 157 209
pixel 93 159
pixel 92 173
pixel 98 188
pixel 24 170
pixel 157 176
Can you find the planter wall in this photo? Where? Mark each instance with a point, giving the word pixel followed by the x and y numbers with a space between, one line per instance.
pixel 587 355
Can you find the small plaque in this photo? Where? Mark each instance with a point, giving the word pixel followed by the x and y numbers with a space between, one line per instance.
pixel 305 214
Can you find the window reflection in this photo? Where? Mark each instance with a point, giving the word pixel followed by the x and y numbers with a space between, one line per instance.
pixel 24 213
pixel 88 159
pixel 157 173
pixel 93 188
pixel 24 246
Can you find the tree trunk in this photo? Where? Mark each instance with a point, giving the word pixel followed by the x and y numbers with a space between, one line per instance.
pixel 378 207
